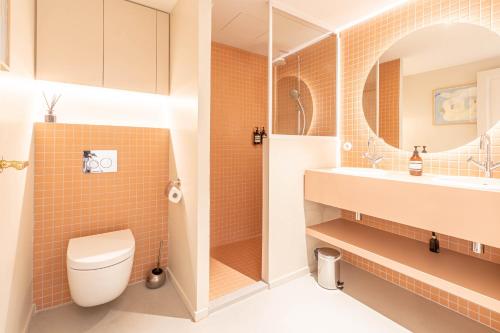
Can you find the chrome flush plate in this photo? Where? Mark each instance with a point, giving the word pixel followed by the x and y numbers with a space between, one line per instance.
pixel 100 161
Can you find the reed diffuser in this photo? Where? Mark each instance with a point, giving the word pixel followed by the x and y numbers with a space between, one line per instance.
pixel 50 117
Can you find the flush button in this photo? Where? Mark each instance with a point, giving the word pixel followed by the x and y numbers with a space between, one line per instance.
pixel 100 161
pixel 106 163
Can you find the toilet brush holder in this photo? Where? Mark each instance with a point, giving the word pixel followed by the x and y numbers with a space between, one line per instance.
pixel 156 277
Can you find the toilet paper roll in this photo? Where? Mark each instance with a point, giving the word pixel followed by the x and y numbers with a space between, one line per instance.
pixel 174 195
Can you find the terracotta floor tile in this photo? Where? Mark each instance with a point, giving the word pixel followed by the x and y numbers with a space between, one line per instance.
pixel 235 266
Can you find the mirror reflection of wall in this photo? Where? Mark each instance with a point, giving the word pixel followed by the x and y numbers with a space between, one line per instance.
pixel 370 99
pixel 304 75
pixel 431 88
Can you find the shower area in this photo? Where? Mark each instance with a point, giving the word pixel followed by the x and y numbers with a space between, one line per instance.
pixel 238 106
pixel 303 84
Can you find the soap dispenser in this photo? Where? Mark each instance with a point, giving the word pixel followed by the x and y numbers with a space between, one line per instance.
pixel 257 138
pixel 434 243
pixel 415 166
pixel 263 134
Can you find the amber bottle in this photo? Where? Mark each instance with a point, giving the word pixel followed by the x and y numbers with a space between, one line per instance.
pixel 415 166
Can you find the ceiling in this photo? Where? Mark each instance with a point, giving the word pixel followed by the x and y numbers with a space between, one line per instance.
pixel 335 14
pixel 291 33
pixel 244 23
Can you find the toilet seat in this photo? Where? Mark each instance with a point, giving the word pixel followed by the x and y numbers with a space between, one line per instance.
pixel 100 251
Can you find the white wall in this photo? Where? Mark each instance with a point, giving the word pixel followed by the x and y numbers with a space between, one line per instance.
pixel 204 107
pixel 417 107
pixel 102 106
pixel 287 251
pixel 189 221
pixel 16 187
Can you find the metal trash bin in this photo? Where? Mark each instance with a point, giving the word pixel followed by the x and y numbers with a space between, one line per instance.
pixel 329 268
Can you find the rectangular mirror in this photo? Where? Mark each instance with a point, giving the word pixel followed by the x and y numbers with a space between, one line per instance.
pixel 304 77
pixel 4 34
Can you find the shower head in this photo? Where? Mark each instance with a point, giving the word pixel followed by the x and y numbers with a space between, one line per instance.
pixel 294 94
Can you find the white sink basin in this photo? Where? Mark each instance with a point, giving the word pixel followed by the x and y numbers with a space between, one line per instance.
pixel 474 182
pixel 362 172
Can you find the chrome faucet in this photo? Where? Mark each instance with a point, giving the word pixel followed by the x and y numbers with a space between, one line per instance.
pixel 371 153
pixel 488 166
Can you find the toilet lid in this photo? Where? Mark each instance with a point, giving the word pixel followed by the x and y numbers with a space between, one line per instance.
pixel 99 251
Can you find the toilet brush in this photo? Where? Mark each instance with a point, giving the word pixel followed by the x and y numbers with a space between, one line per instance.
pixel 156 277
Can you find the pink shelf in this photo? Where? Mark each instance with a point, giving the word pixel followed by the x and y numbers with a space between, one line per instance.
pixel 465 276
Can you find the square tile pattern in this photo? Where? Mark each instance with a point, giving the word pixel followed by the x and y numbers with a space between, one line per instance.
pixel 69 203
pixel 235 266
pixel 450 301
pixel 239 103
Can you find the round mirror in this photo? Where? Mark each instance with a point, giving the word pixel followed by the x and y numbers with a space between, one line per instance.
pixel 436 87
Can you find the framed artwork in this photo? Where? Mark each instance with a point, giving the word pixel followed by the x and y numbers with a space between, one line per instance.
pixel 4 34
pixel 455 105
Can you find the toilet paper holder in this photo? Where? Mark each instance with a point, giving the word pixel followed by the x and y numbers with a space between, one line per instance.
pixel 174 192
pixel 173 183
pixel 176 183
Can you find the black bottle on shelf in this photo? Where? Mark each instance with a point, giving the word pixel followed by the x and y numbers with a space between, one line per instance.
pixel 434 243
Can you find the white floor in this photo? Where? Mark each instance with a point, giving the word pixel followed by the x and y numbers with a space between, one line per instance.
pixel 298 306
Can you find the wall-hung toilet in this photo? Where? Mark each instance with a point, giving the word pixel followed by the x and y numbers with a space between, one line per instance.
pixel 99 266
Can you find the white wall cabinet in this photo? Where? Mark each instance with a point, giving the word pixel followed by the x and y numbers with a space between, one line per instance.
pixel 162 53
pixel 69 41
pixel 129 46
pixel 107 43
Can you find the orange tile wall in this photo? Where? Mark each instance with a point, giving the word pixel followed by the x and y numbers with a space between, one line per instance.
pixel 71 204
pixel 362 45
pixel 318 64
pixel 389 102
pixel 450 301
pixel 239 103
pixel 453 302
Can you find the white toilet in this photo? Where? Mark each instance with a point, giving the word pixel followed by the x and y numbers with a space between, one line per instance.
pixel 99 266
